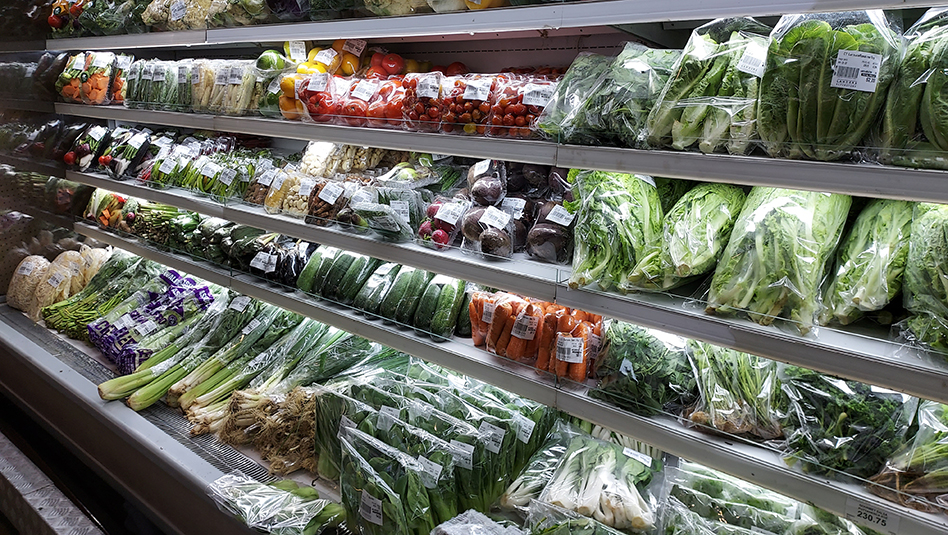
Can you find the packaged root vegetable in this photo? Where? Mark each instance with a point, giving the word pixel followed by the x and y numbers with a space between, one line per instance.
pixel 28 274
pixel 119 88
pixel 487 182
pixel 53 288
pixel 327 199
pixel 443 221
pixel 259 186
pixel 277 192
pixel 204 83
pixel 298 187
pixel 551 237
pixel 72 261
pixel 69 81
pixel 97 78
pixel 421 109
pixel 488 231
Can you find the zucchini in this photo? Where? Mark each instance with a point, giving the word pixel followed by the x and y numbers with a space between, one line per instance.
pixel 307 276
pixel 463 322
pixel 409 300
pixel 339 268
pixel 395 295
pixel 446 312
pixel 354 279
pixel 325 264
pixel 428 304
pixel 369 298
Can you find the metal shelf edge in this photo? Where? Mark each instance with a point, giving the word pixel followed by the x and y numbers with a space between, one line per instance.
pixel 169 197
pixel 120 113
pixel 127 41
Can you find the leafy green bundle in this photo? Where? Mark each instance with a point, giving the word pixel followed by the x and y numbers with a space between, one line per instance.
pixel 802 112
pixel 694 234
pixel 870 261
pixel 558 117
pixel 774 262
pixel 926 277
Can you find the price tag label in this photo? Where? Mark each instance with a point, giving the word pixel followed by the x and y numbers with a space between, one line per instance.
pixel 429 87
pixel 25 268
pixel 124 322
pixel 365 90
pixel 495 218
pixel 240 303
pixel 464 454
pixel 306 186
pixel 102 61
pixel 227 176
pixel 210 169
pixel 331 192
pixel 318 82
pixel 754 59
pixel 360 196
pixel 570 349
pixel 431 473
pixel 278 180
pixel 477 89
pixel 525 328
pixel 74 268
pixel 513 206
pixel 387 417
pixel 178 9
pixel 274 86
pixel 525 427
pixel 78 62
pixel 297 51
pixel 481 167
pixel 354 46
pixel 594 343
pixel 450 212
pixel 236 74
pixel 266 178
pixel 492 437
pixel 146 328
pixel 488 315
pixel 56 279
pixel 137 140
pixel 370 508
pixel 123 63
pixel 856 70
pixel 870 516
pixel 262 261
pixel 97 133
pixel 626 368
pixel 344 421
pixel 147 71
pixel 560 216
pixel 254 323
pixel 325 56
pixel 538 94
pixel 223 75
pixel 402 209
pixel 638 456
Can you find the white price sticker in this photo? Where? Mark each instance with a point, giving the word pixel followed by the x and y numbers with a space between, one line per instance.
pixel 481 167
pixel 25 268
pixel 74 268
pixel 856 70
pixel 123 62
pixel 488 314
pixel 387 417
pixel 560 216
pixel 178 9
pixel 431 473
pixel 370 508
pixel 306 186
pixel 492 437
pixel 227 176
pixel 570 349
pixel 403 209
pixel 325 56
pixel 101 61
pixel 464 454
pixel 754 59
pixel 870 516
pixel 78 62
pixel 146 328
pixel 274 86
pixel 278 180
pixel 365 90
pixel 525 328
pixel 331 192
pixel 56 279
pixel 97 133
pixel 429 87
pixel 477 89
pixel 525 427
pixel 262 262
pixel 266 178
pixel 223 75
pixel 354 46
pixel 626 368
pixel 360 196
pixel 124 322
pixel 254 323
pixel 513 206
pixel 236 74
pixel 240 303
pixel 495 218
pixel 210 169
pixel 538 94
pixel 318 82
pixel 450 212
pixel 638 456
pixel 594 343
pixel 297 51
pixel 137 140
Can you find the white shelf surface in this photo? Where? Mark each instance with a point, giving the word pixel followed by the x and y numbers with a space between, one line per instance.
pixel 130 41
pixel 856 179
pixel 750 462
pixel 865 357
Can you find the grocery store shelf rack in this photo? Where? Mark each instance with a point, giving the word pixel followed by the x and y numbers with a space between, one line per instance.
pixel 855 179
pixel 750 462
pixel 30 165
pixel 129 41
pixel 39 106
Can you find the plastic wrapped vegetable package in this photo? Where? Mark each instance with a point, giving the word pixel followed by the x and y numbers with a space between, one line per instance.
pixel 826 80
pixel 69 81
pixel 562 118
pixel 97 78
pixel 694 234
pixel 29 273
pixel 231 13
pixel 177 15
pixel 775 261
pixel 925 276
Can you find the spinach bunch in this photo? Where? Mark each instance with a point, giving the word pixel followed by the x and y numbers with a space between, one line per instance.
pixel 557 121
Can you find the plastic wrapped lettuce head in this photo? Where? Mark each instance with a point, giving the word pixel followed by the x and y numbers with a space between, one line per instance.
pixel 926 277
pixel 774 262
pixel 825 82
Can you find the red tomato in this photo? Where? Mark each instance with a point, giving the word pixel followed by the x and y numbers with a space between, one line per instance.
pixel 393 64
pixel 377 59
pixel 55 21
pixel 354 110
pixel 376 114
pixel 455 69
pixel 439 68
pixel 376 73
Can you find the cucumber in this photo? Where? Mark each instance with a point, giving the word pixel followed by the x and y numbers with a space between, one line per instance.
pixel 381 289
pixel 463 322
pixel 409 301
pixel 354 279
pixel 393 299
pixel 325 263
pixel 428 304
pixel 308 275
pixel 446 312
pixel 338 270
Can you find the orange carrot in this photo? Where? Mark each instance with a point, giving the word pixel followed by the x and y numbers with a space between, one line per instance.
pixel 501 313
pixel 545 335
pixel 516 348
pixel 532 345
pixel 501 348
pixel 476 335
pixel 577 370
pixel 564 327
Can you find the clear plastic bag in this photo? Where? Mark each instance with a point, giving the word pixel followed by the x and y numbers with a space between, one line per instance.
pixel 559 117
pixel 422 107
pixel 776 258
pixel 694 234
pixel 924 278
pixel 539 469
pixel 488 231
pixel 711 97
pixel 97 78
pixel 69 81
pixel 229 14
pixel 321 96
pixel 515 105
pixel 465 103
pixel 203 83
pixel 29 273
pixel 800 115
pixel 279 190
pixel 548 519
pixel 177 15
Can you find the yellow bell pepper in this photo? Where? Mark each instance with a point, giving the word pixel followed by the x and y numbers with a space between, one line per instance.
pixel 333 64
pixel 310 68
pixel 349 64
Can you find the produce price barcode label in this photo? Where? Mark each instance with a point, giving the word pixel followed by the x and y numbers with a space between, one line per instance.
pixel 365 90
pixel 560 215
pixel 137 140
pixel 495 218
pixel 240 303
pixel 402 209
pixel 318 81
pixel 297 51
pixel 538 95
pixel 856 70
pixel 464 453
pixel 344 421
pixel 325 56
pixel 370 508
pixel 306 187
pixel 56 279
pixel 279 179
pixel 513 206
pixel 146 328
pixel 387 417
pixel 481 167
pixel 222 77
pixel 210 169
pixel 266 178
pixel 870 516
pixel 450 212
pixel 25 268
pixel 525 427
pixel 254 323
pixel 488 314
pixel 236 74
pixel 97 133
pixel 178 9
pixel 431 473
pixel 183 71
pixel 477 89
pixel 354 46
pixel 754 59
pixel 492 437
pixel 525 328
pixel 167 166
pixel 264 261
pixel 638 456
pixel 78 62
pixel 227 176
pixel 570 349
pixel 101 61
pixel 331 192
pixel 428 87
